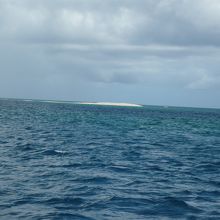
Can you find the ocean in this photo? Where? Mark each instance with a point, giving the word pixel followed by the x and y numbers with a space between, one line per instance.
pixel 71 161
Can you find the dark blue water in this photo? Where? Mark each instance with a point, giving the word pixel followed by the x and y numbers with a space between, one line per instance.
pixel 69 161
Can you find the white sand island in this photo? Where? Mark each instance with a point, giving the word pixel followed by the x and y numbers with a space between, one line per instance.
pixel 111 104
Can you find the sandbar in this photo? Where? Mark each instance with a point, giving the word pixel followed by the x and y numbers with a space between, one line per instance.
pixel 111 104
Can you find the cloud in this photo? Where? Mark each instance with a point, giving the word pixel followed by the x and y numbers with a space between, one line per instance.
pixel 204 80
pixel 148 43
pixel 168 22
pixel 112 22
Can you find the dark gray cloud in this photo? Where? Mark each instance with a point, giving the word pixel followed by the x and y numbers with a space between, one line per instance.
pixel 56 48
pixel 167 22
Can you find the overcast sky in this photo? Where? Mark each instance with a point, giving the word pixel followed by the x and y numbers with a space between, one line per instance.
pixel 156 52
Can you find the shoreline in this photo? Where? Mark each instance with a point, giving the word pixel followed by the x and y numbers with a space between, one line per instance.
pixel 111 104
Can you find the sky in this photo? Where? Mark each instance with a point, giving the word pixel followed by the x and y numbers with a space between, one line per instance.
pixel 153 52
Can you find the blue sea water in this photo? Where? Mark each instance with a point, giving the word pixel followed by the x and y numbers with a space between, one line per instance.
pixel 70 161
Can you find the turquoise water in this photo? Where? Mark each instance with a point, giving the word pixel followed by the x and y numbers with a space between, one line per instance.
pixel 69 161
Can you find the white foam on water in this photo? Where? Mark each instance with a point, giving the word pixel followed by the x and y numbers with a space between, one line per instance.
pixel 60 151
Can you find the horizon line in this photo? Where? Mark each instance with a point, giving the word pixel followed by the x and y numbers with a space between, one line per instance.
pixel 69 101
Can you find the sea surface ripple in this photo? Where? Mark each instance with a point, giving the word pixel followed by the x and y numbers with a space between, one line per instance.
pixel 69 161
